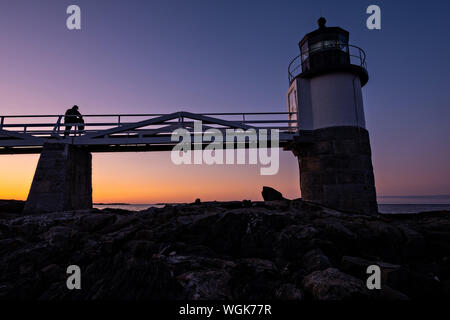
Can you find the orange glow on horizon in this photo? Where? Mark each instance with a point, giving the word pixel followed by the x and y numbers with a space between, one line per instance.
pixel 16 172
pixel 153 178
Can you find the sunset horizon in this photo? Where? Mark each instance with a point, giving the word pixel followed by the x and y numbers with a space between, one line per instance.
pixel 103 192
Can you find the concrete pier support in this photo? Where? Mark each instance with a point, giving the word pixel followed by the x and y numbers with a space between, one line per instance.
pixel 336 169
pixel 62 181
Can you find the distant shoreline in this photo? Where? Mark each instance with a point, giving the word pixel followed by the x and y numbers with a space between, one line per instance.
pixel 111 204
pixel 384 208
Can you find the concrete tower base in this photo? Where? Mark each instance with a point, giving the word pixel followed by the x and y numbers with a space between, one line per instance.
pixel 62 181
pixel 336 169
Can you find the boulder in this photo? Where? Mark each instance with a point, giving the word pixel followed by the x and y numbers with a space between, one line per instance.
pixel 58 236
pixel 205 285
pixel 413 284
pixel 355 266
pixel 315 260
pixel 295 240
pixel 270 194
pixel 11 206
pixel 96 222
pixel 288 291
pixel 387 293
pixel 332 284
pixel 256 279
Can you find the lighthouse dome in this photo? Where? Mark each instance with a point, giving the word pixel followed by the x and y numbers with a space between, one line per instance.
pixel 326 50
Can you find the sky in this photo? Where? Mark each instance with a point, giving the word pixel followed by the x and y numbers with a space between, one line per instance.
pixel 223 56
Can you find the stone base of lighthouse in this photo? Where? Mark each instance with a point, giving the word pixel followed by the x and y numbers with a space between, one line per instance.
pixel 336 169
pixel 62 181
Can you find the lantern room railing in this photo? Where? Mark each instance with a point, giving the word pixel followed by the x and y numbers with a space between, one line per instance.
pixel 356 55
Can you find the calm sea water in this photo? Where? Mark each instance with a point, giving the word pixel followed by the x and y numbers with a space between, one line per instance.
pixel 130 207
pixel 383 208
pixel 411 208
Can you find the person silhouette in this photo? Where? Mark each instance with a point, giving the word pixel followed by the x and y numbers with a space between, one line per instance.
pixel 72 116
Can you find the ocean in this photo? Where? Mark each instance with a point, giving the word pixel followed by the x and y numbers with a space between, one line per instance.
pixel 130 207
pixel 383 208
pixel 411 208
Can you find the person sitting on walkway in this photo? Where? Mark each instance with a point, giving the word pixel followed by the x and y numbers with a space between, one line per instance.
pixel 71 117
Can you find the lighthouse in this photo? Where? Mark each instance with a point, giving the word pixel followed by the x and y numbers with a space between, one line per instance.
pixel 326 109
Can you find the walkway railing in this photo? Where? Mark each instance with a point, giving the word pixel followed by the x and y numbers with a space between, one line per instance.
pixel 152 128
pixel 48 125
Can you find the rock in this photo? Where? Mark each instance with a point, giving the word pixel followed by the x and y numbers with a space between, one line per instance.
pixel 180 264
pixel 270 194
pixel 58 236
pixel 288 291
pixel 246 203
pixel 315 260
pixel 255 279
pixel 262 250
pixel 95 222
pixel 205 285
pixel 259 266
pixel 139 247
pixel 11 206
pixel 387 293
pixel 121 277
pixel 277 205
pixel 355 266
pixel 332 284
pixel 413 284
pixel 381 239
pixel 415 242
pixel 52 273
pixel 10 245
pixel 399 281
pixel 295 240
pixel 121 221
pixel 335 229
pixel 189 219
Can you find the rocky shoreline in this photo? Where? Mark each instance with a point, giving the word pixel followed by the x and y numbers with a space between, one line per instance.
pixel 280 249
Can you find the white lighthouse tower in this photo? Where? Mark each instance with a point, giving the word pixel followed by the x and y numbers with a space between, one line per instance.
pixel 325 99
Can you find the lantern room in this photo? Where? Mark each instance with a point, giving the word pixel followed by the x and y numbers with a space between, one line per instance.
pixel 327 49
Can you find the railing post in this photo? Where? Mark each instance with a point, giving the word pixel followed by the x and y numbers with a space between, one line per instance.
pixel 118 120
pixel 57 128
pixel 2 120
pixel 180 120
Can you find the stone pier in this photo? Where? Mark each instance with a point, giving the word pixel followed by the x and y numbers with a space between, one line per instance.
pixel 62 181
pixel 336 169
